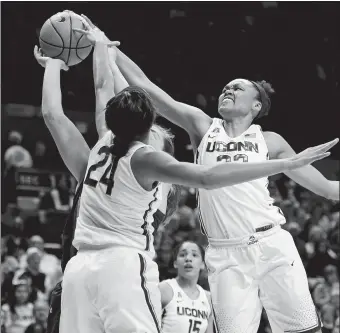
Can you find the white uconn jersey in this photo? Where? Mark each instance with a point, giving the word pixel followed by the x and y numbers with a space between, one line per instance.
pixel 235 211
pixel 184 315
pixel 117 215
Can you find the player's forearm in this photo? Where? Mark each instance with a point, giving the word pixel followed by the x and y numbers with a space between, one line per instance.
pixel 101 66
pixel 51 92
pixel 235 173
pixel 132 73
pixel 313 180
pixel 119 80
pixel 103 83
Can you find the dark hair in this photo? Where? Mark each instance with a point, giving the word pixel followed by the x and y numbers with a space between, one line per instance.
pixel 264 93
pixel 178 247
pixel 129 115
pixel 11 300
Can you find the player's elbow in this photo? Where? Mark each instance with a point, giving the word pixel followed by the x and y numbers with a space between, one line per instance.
pixel 48 113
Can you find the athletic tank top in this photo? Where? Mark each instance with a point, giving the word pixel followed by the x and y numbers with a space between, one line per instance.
pixel 122 215
pixel 235 211
pixel 184 315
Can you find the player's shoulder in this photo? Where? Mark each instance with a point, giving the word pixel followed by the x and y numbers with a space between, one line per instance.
pixel 208 294
pixel 167 293
pixel 275 143
pixel 105 140
pixel 165 287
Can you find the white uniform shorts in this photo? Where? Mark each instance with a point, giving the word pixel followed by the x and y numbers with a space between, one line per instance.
pixel 260 270
pixel 111 290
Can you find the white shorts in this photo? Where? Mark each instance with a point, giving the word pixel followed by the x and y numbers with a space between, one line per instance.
pixel 111 290
pixel 261 270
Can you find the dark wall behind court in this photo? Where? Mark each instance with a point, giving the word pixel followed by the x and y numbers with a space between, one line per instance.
pixel 192 50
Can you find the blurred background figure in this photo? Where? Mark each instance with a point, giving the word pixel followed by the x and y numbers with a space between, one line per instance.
pixel 40 313
pixel 18 311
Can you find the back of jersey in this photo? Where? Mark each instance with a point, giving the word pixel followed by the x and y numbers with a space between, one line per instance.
pixel 121 214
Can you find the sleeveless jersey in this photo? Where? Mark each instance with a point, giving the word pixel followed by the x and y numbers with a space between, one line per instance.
pixel 122 215
pixel 183 315
pixel 235 211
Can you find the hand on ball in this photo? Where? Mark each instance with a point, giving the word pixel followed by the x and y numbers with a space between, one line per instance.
pixel 94 34
pixel 42 59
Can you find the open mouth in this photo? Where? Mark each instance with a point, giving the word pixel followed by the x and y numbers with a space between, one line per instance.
pixel 228 98
pixel 188 267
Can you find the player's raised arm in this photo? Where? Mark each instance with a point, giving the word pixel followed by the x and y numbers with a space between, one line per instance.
pixel 119 80
pixel 103 78
pixel 159 166
pixel 71 144
pixel 307 176
pixel 190 118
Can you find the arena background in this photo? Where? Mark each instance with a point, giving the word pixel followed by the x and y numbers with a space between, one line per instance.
pixel 191 50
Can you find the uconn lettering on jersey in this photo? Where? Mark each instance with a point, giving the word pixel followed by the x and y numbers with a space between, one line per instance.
pixel 223 147
pixel 184 311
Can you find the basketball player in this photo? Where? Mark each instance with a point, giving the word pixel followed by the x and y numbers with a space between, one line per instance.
pixel 186 305
pixel 63 132
pixel 122 190
pixel 248 250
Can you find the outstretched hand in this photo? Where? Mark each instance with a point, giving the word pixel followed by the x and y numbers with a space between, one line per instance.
pixel 93 33
pixel 42 59
pixel 312 154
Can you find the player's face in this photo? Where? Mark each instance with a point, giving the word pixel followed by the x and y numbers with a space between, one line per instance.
pixel 189 261
pixel 238 98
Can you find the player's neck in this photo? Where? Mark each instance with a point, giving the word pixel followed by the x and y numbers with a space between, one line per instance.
pixel 236 126
pixel 186 283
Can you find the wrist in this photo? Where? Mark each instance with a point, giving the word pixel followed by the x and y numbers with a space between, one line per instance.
pixel 54 62
pixel 287 163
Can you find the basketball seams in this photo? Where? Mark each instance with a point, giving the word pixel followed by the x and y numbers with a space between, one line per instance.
pixel 58 46
pixel 61 37
pixel 79 39
pixel 70 43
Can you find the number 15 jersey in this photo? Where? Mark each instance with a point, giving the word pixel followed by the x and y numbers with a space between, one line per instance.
pixel 235 211
pixel 184 315
pixel 118 215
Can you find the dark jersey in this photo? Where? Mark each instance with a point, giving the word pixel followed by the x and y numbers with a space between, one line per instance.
pixel 68 251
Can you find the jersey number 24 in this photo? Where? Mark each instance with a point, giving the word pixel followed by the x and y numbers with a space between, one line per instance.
pixel 110 170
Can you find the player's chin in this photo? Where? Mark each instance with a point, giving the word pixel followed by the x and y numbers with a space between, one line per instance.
pixel 190 273
pixel 223 109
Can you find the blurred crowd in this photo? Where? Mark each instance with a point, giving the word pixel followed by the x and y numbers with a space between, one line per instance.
pixel 31 267
pixel 37 191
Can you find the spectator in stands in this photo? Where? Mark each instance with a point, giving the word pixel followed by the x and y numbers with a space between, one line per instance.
pixel 49 263
pixel 39 159
pixel 328 316
pixel 18 311
pixel 40 318
pixel 32 274
pixel 59 197
pixel 16 155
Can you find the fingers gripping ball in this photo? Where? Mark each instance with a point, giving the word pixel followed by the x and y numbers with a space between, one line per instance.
pixel 58 40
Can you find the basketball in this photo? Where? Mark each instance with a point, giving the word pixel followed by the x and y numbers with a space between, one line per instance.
pixel 58 40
